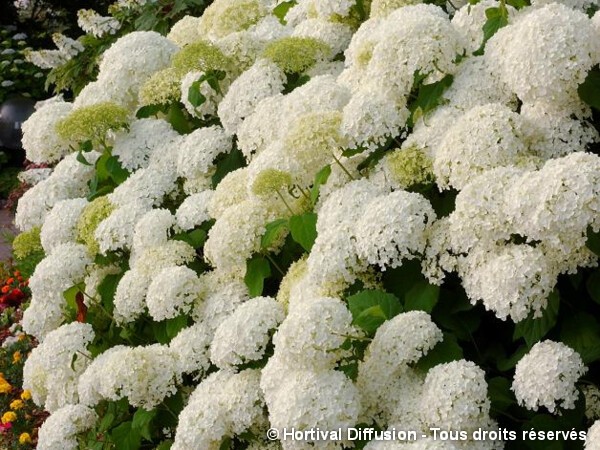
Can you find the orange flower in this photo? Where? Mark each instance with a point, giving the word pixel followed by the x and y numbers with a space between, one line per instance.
pixel 26 395
pixel 17 357
pixel 17 273
pixel 10 281
pixel 5 289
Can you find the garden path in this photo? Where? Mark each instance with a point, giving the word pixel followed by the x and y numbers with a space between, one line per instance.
pixel 6 225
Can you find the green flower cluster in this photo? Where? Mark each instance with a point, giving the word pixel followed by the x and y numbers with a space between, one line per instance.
pixel 296 54
pixel 200 56
pixel 91 216
pixel 410 167
pixel 91 123
pixel 27 243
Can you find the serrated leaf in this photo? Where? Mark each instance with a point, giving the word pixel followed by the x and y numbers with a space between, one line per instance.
pixel 371 308
pixel 532 330
pixel 304 229
pixel 257 269
pixel 581 332
pixel 273 232
pixel 320 179
pixel 422 296
pixel 446 351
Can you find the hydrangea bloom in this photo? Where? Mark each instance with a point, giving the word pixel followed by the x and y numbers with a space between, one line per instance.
pixel 546 376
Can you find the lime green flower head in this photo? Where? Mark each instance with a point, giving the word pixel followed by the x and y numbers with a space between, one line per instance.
pixel 409 167
pixel 92 122
pixel 200 56
pixel 91 216
pixel 270 181
pixel 296 54
pixel 224 17
pixel 27 243
pixel 161 88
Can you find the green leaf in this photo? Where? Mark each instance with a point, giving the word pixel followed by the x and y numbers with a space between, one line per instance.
pixel 106 422
pixel 429 97
pixel 370 308
pixel 175 325
pixel 70 294
pixel 226 444
pixel 532 330
pixel 82 159
pixel 102 173
pixel 195 97
pixel 506 364
pixel 227 163
pixel 126 438
pixel 86 146
pixel 304 229
pixel 149 110
pixel 257 269
pixel 273 231
pixel 196 238
pixel 581 332
pixel 517 4
pixel 593 286
pixel 282 9
pixel 142 421
pixel 116 171
pixel 165 445
pixel 500 394
pixel 496 19
pixel 593 241
pixel 446 351
pixel 589 90
pixel 320 179
pixel 422 296
pixel 177 119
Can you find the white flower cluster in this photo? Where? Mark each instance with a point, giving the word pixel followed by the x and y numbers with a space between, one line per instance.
pixel 546 376
pixel 319 89
pixel 224 404
pixel 52 369
pixel 144 375
pixel 60 270
pixel 243 336
pixel 93 23
pixel 60 430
